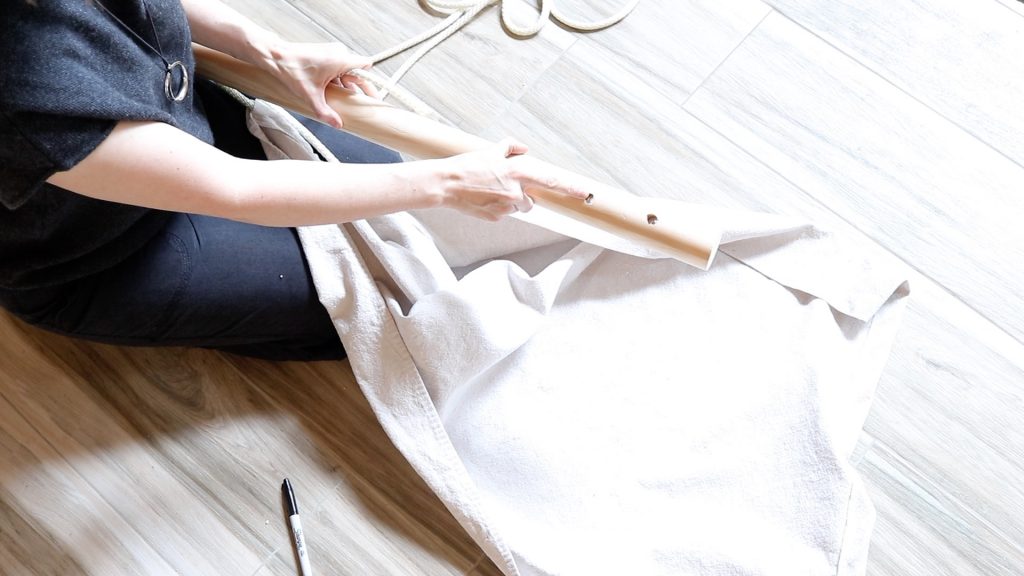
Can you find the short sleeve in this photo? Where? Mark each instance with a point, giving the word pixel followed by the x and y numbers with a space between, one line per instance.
pixel 70 71
pixel 56 144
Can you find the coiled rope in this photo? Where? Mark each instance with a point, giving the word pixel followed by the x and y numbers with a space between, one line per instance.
pixel 459 13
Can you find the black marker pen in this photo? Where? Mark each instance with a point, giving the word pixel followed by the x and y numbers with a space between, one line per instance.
pixel 293 517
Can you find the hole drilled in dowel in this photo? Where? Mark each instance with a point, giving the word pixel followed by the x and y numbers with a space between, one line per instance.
pixel 652 219
pixel 589 199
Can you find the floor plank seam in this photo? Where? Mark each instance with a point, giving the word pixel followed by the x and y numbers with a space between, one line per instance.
pixel 348 473
pixel 309 18
pixel 873 240
pixel 722 62
pixel 933 489
pixel 527 88
pixel 311 424
pixel 868 67
pixel 71 465
pixel 266 561
pixel 1016 11
pixel 479 562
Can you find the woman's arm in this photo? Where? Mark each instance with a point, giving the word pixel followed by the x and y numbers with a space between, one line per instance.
pixel 305 68
pixel 158 166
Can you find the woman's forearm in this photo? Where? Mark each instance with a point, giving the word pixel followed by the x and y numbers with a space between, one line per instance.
pixel 299 193
pixel 155 165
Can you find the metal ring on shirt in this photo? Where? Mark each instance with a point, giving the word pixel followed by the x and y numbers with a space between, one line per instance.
pixel 183 91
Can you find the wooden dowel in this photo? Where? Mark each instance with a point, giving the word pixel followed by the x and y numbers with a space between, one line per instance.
pixel 611 210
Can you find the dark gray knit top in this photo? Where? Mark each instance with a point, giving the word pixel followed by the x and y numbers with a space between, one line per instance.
pixel 68 73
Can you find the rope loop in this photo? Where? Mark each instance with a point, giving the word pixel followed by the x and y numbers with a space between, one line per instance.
pixel 547 9
pixel 461 12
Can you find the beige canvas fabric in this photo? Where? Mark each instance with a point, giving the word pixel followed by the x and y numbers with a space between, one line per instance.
pixel 584 408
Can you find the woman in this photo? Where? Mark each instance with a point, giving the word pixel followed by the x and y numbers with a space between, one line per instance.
pixel 137 210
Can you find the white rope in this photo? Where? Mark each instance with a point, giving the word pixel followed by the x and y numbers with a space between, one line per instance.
pixel 460 13
pixel 455 22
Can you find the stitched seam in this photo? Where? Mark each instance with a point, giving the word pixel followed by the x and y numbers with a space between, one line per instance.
pixel 163 321
pixel 842 549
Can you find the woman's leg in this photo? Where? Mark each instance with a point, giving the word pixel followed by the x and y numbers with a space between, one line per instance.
pixel 227 120
pixel 208 282
pixel 348 148
pixel 203 282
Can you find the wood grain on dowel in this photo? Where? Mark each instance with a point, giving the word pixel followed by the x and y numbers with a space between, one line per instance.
pixel 611 210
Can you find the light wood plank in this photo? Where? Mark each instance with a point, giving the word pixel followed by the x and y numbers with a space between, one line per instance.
pixel 917 183
pixel 672 46
pixel 381 492
pixel 367 26
pixel 470 79
pixel 960 58
pixel 638 138
pixel 921 526
pixel 338 542
pixel 282 18
pixel 41 488
pixel 157 501
pixel 231 441
pixel 25 546
pixel 1014 5
pixel 284 565
pixel 484 567
pixel 947 417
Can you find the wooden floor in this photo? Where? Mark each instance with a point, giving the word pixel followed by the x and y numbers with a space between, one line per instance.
pixel 896 121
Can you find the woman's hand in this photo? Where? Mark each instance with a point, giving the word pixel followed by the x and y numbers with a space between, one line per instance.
pixel 308 68
pixel 494 182
pixel 305 68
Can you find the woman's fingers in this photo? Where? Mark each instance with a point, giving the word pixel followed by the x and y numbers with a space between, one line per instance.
pixel 308 68
pixel 526 204
pixel 325 113
pixel 533 173
pixel 497 181
pixel 512 148
pixel 364 86
pixel 520 201
pixel 358 83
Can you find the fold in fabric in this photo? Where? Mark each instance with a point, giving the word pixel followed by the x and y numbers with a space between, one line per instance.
pixel 585 408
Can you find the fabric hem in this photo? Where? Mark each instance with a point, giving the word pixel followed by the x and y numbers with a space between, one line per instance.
pixel 855 539
pixel 366 325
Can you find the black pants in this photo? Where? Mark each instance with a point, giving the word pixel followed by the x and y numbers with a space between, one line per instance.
pixel 208 282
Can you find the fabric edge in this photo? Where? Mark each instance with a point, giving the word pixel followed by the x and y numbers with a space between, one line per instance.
pixel 855 539
pixel 331 245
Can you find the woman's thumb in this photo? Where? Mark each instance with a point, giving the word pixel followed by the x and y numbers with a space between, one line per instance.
pixel 511 148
